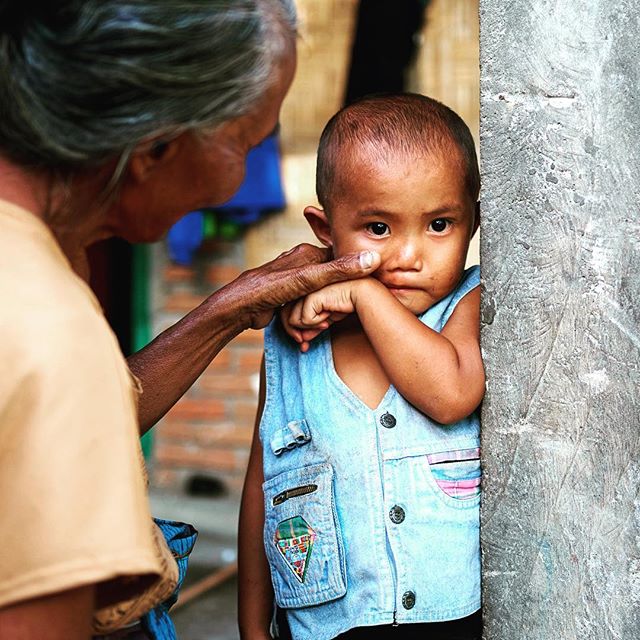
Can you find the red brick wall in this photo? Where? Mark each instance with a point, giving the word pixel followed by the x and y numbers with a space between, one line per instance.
pixel 208 432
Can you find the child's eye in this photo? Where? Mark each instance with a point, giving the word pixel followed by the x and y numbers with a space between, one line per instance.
pixel 439 225
pixel 378 228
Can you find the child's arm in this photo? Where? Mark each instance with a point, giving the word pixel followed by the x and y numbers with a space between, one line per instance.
pixel 439 373
pixel 255 593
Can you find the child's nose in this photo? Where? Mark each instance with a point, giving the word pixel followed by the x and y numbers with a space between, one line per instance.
pixel 407 255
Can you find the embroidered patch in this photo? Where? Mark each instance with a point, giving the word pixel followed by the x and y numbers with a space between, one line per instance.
pixel 294 539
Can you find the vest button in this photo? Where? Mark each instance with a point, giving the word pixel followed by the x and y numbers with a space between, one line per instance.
pixel 396 514
pixel 387 420
pixel 408 599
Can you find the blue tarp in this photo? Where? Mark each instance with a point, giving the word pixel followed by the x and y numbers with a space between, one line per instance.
pixel 261 192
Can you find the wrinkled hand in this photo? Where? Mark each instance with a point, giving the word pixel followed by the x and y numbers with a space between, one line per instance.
pixel 257 293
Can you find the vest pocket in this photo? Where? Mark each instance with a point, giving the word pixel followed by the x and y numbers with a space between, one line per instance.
pixel 457 473
pixel 302 537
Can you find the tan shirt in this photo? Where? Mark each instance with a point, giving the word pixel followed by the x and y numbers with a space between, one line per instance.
pixel 73 503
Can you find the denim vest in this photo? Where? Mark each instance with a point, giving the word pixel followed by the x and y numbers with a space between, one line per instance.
pixel 371 515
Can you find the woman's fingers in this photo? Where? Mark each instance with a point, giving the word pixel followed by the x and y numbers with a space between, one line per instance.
pixel 299 256
pixel 293 275
pixel 303 280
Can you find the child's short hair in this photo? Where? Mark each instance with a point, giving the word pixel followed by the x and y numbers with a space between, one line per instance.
pixel 406 123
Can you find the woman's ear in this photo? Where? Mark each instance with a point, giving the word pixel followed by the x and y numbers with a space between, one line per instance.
pixel 319 224
pixel 150 156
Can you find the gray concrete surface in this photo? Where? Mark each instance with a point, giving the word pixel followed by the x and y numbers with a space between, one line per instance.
pixel 211 616
pixel 561 341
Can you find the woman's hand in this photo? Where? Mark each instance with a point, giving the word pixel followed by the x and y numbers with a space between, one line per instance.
pixel 293 275
pixel 170 364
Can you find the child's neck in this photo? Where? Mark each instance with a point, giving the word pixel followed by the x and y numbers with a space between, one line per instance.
pixel 356 362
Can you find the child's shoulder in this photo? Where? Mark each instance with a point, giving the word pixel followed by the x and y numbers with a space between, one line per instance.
pixel 469 281
pixel 437 316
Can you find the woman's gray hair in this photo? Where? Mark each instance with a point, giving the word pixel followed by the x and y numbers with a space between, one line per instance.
pixel 85 81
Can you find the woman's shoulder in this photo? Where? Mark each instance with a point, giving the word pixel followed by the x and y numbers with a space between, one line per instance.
pixel 56 340
pixel 31 260
pixel 45 305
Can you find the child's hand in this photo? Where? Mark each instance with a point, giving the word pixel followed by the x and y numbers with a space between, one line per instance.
pixel 308 317
pixel 302 336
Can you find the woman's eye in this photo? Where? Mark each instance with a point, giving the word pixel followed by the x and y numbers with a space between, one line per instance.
pixel 378 228
pixel 439 225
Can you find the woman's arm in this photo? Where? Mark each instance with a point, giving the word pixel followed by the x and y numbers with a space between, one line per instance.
pixel 61 616
pixel 255 593
pixel 170 364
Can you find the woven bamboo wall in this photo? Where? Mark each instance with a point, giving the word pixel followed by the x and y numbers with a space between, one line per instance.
pixel 317 91
pixel 324 48
pixel 446 68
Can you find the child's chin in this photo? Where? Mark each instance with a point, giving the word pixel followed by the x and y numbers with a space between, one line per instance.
pixel 406 299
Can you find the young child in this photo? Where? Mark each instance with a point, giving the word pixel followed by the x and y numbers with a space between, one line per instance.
pixel 368 444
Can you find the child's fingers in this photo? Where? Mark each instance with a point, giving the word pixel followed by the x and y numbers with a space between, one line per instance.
pixel 313 312
pixel 310 334
pixel 294 333
pixel 297 328
pixel 336 317
pixel 294 318
pixel 285 315
pixel 308 316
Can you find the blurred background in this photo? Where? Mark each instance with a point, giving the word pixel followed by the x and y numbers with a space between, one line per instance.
pixel 198 453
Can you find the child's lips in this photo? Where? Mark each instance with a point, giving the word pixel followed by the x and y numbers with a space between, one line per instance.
pixel 397 284
pixel 400 288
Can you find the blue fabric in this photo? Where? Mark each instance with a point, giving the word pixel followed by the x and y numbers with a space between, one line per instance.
pixel 185 237
pixel 382 542
pixel 181 539
pixel 261 190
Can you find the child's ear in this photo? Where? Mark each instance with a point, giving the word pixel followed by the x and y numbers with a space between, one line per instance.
pixel 476 221
pixel 319 224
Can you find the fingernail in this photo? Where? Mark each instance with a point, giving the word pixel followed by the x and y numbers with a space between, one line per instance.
pixel 366 259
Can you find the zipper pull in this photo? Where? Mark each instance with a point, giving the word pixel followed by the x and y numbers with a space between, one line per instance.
pixel 294 493
pixel 395 622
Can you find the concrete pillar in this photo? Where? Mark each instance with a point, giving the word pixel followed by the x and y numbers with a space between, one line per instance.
pixel 560 147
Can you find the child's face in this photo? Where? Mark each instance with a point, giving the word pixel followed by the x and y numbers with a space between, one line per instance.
pixel 417 214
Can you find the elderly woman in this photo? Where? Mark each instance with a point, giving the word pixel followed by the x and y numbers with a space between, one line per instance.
pixel 118 116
